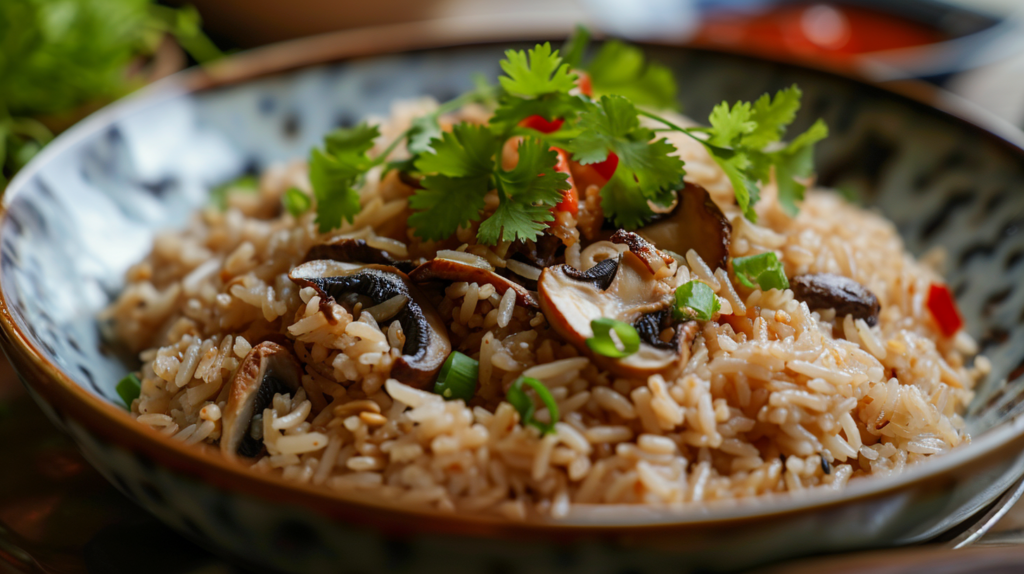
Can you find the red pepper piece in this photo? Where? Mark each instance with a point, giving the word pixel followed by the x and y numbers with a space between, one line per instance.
pixel 606 168
pixel 583 83
pixel 542 125
pixel 943 308
pixel 570 198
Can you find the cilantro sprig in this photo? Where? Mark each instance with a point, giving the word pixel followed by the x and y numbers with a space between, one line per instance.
pixel 458 169
pixel 739 141
pixel 648 170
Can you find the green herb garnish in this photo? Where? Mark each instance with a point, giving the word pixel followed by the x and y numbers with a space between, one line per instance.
pixel 458 169
pixel 522 402
pixel 458 377
pixel 621 69
pixel 647 170
pixel 613 338
pixel 695 300
pixel 61 58
pixel 129 388
pixel 296 202
pixel 763 270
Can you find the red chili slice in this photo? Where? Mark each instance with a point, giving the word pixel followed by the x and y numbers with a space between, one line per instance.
pixel 542 125
pixel 943 308
pixel 606 168
pixel 570 198
pixel 583 83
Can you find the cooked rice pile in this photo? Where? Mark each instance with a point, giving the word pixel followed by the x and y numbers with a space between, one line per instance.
pixel 775 399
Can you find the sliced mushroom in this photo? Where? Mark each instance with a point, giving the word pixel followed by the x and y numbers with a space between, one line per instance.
pixel 449 270
pixel 695 223
pixel 622 289
pixel 268 369
pixel 348 250
pixel 426 338
pixel 831 291
pixel 654 260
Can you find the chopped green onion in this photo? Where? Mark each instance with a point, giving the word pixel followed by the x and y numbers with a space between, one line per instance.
pixel 296 202
pixel 129 389
pixel 613 338
pixel 763 270
pixel 518 398
pixel 695 300
pixel 458 377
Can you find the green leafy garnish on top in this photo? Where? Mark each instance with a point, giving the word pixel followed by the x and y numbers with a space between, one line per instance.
pixel 648 170
pixel 763 271
pixel 602 113
pixel 695 300
pixel 463 169
pixel 539 73
pixel 60 59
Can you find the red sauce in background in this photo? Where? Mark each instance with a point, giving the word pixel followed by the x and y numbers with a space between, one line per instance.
pixel 826 32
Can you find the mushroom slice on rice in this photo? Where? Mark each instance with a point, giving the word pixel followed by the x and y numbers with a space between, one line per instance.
pixel 267 370
pixel 625 290
pixel 426 338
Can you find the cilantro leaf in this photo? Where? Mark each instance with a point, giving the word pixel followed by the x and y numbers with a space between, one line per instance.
pixel 423 130
pixel 695 300
pixel 512 110
pixel 513 220
pixel 467 151
pixel 296 202
pixel 534 179
pixel 737 140
pixel 622 204
pixel 333 181
pixel 543 72
pixel 771 116
pixel 621 69
pixel 354 141
pixel 796 161
pixel 526 192
pixel 730 125
pixel 738 168
pixel 335 171
pixel 648 167
pixel 447 203
pixel 763 271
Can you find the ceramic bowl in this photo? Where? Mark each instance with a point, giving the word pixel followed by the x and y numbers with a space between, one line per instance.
pixel 90 204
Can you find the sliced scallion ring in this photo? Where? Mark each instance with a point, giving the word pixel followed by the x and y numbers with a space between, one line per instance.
pixel 518 398
pixel 613 338
pixel 129 388
pixel 458 377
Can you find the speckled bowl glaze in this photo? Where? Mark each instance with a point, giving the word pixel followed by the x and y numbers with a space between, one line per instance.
pixel 89 205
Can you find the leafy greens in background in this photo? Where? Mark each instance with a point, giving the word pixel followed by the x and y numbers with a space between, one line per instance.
pixel 609 117
pixel 59 55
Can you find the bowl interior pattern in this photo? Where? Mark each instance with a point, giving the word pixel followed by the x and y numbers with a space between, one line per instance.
pixel 90 205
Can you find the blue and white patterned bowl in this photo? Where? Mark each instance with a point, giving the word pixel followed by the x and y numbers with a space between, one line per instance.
pixel 89 205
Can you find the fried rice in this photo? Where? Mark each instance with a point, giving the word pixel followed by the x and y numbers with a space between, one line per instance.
pixel 773 396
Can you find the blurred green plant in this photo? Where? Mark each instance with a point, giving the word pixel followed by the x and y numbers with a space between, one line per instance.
pixel 59 57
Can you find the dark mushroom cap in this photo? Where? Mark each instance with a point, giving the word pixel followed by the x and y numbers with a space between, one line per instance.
pixel 350 250
pixel 695 223
pixel 654 260
pixel 267 370
pixel 426 338
pixel 448 270
pixel 622 289
pixel 831 291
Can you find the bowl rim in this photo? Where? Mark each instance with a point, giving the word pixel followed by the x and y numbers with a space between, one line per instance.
pixel 438 34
